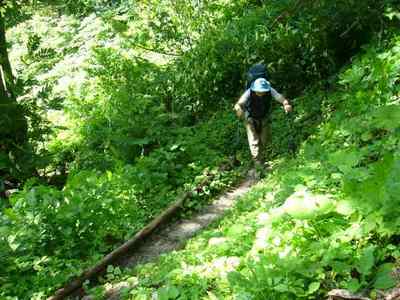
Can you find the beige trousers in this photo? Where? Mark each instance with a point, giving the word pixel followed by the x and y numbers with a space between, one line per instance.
pixel 259 136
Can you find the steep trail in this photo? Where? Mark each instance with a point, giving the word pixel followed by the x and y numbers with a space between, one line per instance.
pixel 173 236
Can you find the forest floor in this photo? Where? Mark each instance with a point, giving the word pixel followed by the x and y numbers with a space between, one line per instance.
pixel 174 236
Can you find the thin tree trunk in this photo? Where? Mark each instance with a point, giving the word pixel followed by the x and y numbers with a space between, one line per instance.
pixel 3 92
pixel 13 124
pixel 6 75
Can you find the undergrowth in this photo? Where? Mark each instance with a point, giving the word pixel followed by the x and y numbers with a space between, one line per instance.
pixel 51 235
pixel 326 219
pixel 117 131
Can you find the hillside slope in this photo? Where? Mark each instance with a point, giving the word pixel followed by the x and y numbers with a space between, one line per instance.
pixel 115 134
pixel 326 219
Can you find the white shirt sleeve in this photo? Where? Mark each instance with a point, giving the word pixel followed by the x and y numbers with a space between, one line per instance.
pixel 240 105
pixel 278 97
pixel 244 98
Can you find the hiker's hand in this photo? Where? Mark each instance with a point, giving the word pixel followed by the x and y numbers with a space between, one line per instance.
pixel 287 107
pixel 239 111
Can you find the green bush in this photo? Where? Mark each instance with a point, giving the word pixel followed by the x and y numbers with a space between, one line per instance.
pixel 299 45
pixel 48 231
pixel 325 220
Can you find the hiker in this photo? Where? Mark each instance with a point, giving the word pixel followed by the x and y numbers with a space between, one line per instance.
pixel 254 106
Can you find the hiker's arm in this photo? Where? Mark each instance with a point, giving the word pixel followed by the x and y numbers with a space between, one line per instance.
pixel 285 102
pixel 240 105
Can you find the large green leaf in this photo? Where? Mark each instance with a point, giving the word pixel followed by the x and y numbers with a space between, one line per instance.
pixel 345 159
pixel 387 117
pixel 366 261
pixel 384 278
pixel 304 204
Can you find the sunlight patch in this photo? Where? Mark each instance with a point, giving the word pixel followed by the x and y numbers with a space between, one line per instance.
pixel 303 204
pixel 344 208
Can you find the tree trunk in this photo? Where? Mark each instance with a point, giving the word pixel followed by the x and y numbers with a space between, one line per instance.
pixel 13 124
pixel 6 75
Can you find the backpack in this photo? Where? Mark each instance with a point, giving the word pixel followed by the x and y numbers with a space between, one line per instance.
pixel 257 107
pixel 256 71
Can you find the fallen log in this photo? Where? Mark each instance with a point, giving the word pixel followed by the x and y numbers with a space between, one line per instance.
pixel 340 294
pixel 394 294
pixel 112 257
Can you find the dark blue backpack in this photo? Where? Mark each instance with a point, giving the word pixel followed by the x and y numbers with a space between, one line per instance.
pixel 257 107
pixel 256 71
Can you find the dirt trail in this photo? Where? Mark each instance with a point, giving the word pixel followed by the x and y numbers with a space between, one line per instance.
pixel 174 235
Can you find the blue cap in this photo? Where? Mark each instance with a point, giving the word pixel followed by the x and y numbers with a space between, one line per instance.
pixel 260 85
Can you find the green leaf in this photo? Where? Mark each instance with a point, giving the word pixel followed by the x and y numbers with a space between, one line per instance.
pixel 384 278
pixel 282 288
pixel 117 271
pixel 366 261
pixel 173 292
pixel 235 278
pixel 344 207
pixel 353 285
pixel 12 242
pixel 110 269
pixel 168 292
pixel 174 147
pixel 236 230
pixel 304 204
pixel 387 117
pixel 344 160
pixel 140 142
pixel 313 287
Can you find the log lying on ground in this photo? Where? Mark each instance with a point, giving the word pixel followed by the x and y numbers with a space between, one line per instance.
pixel 112 257
pixel 340 294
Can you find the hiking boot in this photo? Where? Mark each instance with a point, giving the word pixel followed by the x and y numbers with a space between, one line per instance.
pixel 267 167
pixel 253 175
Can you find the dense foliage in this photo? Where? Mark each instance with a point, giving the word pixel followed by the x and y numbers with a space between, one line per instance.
pixel 129 104
pixel 327 219
pixel 301 43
